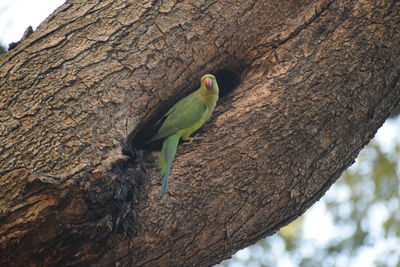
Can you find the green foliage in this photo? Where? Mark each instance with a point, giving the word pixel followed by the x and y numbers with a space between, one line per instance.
pixel 357 223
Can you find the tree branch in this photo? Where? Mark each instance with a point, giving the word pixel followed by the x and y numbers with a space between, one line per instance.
pixel 317 79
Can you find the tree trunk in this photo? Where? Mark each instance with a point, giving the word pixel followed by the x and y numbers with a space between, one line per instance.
pixel 314 81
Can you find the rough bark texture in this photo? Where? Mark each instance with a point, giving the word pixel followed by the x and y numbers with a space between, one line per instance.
pixel 317 79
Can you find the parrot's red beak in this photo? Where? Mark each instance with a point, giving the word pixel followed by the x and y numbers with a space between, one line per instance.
pixel 208 83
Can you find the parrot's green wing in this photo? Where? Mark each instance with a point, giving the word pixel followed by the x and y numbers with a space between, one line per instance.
pixel 180 103
pixel 182 115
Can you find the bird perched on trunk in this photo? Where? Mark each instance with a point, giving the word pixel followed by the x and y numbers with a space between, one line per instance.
pixel 184 118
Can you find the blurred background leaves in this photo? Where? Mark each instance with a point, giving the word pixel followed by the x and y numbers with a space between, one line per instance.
pixel 356 223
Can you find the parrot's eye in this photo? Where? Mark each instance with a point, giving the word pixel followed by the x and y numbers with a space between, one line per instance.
pixel 208 83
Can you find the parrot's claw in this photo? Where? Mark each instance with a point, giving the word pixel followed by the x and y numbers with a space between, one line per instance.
pixel 190 140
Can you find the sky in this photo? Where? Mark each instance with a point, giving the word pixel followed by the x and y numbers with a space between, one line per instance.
pixel 17 15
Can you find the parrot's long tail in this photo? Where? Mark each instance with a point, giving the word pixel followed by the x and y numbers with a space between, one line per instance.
pixel 165 161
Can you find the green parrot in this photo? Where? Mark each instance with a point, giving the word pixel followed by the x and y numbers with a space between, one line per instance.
pixel 184 118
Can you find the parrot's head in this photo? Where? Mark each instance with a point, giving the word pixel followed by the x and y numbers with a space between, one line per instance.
pixel 209 83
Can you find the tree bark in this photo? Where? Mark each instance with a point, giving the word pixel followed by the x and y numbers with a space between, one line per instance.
pixel 316 79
